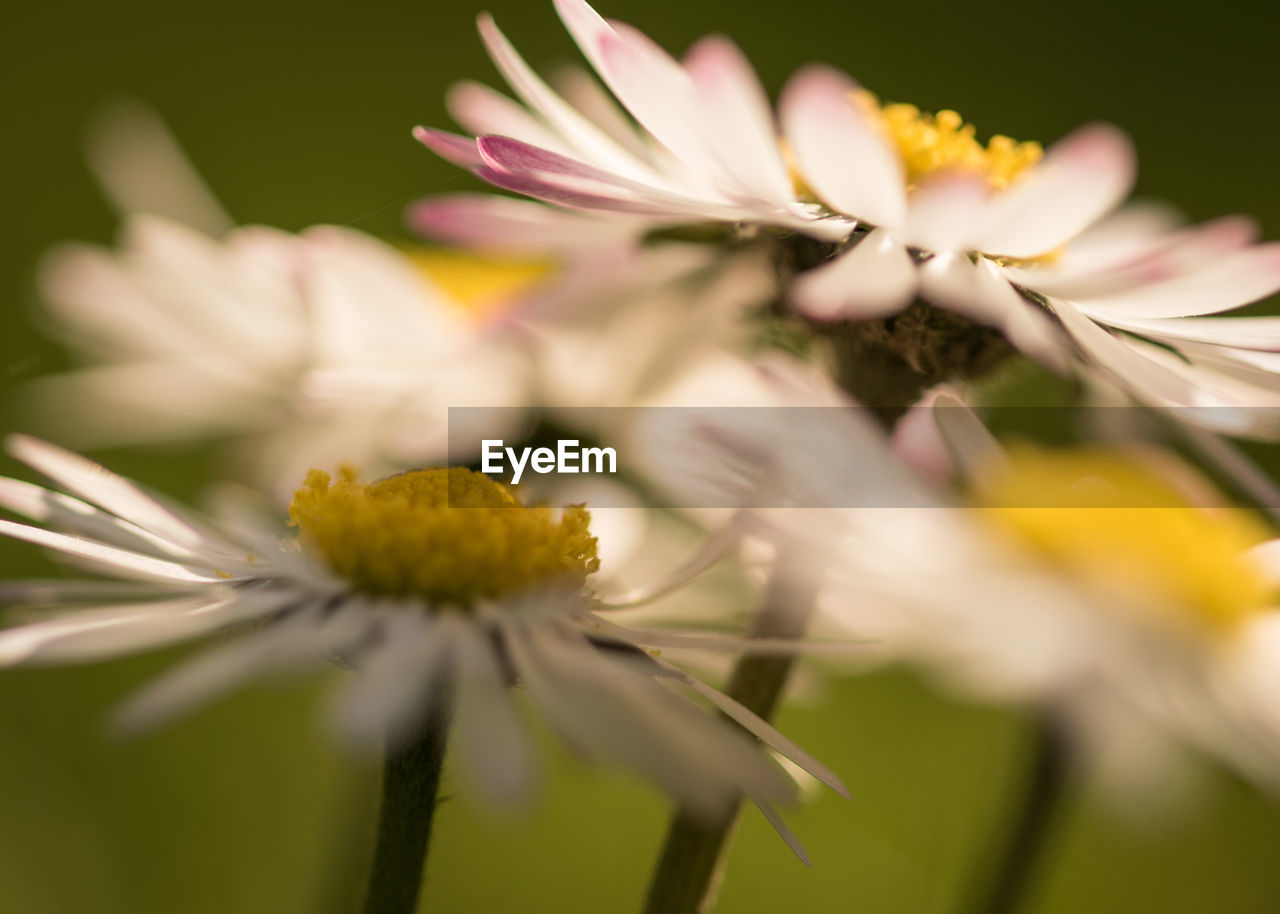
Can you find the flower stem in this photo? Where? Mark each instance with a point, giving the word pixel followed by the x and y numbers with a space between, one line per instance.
pixel 410 782
pixel 1023 847
pixel 688 870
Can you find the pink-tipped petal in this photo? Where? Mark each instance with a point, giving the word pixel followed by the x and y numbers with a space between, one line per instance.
pixel 1229 282
pixel 481 110
pixel 1082 178
pixel 942 210
pixel 739 116
pixel 1261 334
pixel 460 150
pixel 553 171
pixel 585 136
pixel 874 280
pixel 842 154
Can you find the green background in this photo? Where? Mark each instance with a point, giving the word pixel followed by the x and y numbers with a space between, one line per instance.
pixel 300 113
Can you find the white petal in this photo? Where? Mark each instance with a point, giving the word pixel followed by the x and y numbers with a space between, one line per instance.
pixel 306 638
pixel 481 110
pixel 1231 281
pixel 143 169
pixel 646 80
pixel 117 561
pixel 843 155
pixel 395 678
pixel 584 92
pixel 941 211
pixel 492 734
pixel 1080 180
pixel 589 140
pixel 100 486
pixel 738 115
pixel 71 515
pixel 1259 333
pixel 111 631
pixel 875 279
pixel 760 728
pixel 979 292
pixel 452 147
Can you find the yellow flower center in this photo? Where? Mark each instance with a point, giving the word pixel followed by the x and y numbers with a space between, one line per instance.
pixel 445 535
pixel 934 143
pixel 1113 523
pixel 480 284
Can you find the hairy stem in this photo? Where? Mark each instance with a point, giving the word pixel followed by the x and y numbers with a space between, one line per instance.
pixel 410 783
pixel 688 870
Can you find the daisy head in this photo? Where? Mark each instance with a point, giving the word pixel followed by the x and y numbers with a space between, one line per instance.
pixel 432 586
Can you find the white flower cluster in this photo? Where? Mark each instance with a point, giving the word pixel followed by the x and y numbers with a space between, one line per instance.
pixel 852 271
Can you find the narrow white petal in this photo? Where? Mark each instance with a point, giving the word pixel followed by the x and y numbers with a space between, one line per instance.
pixel 306 638
pixel 396 677
pixel 79 518
pixel 874 280
pixel 709 551
pixel 646 80
pixel 100 486
pixel 142 168
pixel 784 831
pixel 585 136
pixel 1081 179
pixel 737 114
pixel 584 92
pixel 1229 282
pixel 492 734
pixel 482 110
pixel 117 561
pixel 843 155
pixel 1260 333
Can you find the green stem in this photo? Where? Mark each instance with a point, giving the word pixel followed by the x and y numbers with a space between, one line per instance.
pixel 688 870
pixel 1023 848
pixel 411 781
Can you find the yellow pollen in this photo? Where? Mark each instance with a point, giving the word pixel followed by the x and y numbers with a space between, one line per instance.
pixel 449 536
pixel 1111 521
pixel 934 143
pixel 480 284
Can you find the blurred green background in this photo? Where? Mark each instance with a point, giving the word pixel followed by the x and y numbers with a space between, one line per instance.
pixel 299 113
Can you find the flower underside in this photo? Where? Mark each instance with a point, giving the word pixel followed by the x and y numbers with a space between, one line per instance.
pixel 448 536
pixel 1115 524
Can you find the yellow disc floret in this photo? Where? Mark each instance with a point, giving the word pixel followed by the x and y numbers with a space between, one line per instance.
pixel 449 536
pixel 480 284
pixel 933 143
pixel 1113 522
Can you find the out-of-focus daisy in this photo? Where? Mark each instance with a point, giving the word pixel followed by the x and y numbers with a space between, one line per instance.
pixel 1113 588
pixel 432 582
pixel 324 346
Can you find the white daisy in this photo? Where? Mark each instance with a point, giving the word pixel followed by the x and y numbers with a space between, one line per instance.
pixel 1110 587
pixel 434 582
pixel 313 348
pixel 999 235
pixel 918 209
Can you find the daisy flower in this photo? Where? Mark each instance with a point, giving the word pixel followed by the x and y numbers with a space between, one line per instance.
pixel 1113 588
pixel 430 583
pixel 311 349
pixel 1013 238
pixel 1003 235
